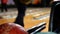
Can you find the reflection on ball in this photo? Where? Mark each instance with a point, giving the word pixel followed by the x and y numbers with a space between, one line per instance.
pixel 12 28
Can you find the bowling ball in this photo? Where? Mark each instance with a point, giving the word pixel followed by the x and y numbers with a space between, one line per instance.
pixel 12 28
pixel 35 2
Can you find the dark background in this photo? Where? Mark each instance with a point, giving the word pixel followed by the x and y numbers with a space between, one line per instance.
pixel 41 3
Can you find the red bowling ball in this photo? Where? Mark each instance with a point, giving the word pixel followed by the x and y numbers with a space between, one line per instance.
pixel 12 28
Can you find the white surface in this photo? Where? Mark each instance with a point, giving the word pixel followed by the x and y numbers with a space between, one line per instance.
pixel 56 0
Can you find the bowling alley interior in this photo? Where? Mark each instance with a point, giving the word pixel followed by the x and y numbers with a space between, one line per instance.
pixel 39 17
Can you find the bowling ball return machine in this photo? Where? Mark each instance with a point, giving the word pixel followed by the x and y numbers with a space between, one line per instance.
pixel 54 22
pixel 55 17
